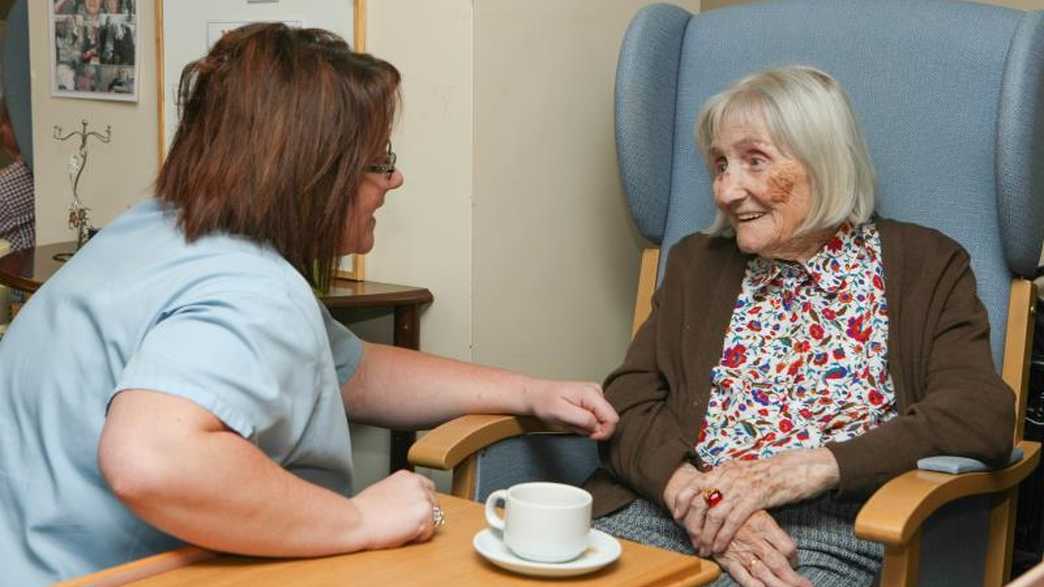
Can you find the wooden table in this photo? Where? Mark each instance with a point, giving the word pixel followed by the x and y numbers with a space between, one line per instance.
pixel 29 269
pixel 448 559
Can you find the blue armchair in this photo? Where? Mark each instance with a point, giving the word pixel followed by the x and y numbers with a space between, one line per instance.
pixel 951 97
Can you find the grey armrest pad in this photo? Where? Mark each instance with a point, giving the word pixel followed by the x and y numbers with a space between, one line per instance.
pixel 955 465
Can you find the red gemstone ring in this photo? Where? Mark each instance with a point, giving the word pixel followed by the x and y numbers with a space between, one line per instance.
pixel 712 497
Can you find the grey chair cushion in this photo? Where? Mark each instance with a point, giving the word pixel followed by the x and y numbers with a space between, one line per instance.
pixel 954 465
pixel 537 457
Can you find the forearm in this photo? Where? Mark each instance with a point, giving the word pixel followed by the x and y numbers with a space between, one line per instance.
pixel 400 388
pixel 788 477
pixel 979 430
pixel 237 500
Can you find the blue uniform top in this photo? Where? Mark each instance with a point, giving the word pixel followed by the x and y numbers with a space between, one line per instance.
pixel 223 322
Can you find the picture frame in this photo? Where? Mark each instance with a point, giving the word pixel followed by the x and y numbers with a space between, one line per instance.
pixel 199 23
pixel 94 49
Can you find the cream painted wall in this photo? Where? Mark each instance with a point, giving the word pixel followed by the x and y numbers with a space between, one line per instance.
pixel 512 213
pixel 555 254
pixel 118 174
pixel 424 229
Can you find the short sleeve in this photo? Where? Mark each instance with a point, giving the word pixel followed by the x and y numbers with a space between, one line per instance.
pixel 344 345
pixel 249 357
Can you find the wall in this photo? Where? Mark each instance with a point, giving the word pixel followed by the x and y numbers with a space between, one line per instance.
pixel 190 19
pixel 512 213
pixel 424 229
pixel 555 255
pixel 117 174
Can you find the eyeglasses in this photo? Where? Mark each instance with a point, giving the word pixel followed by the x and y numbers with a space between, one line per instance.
pixel 387 167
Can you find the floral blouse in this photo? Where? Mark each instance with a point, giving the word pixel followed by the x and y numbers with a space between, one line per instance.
pixel 805 359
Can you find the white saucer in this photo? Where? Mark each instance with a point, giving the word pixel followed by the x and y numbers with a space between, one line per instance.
pixel 604 549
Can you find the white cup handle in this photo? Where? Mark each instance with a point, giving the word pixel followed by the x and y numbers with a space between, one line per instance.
pixel 491 513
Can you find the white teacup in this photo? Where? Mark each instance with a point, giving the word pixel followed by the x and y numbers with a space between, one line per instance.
pixel 543 522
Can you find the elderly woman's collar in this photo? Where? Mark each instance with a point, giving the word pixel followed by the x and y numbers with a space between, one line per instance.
pixel 829 269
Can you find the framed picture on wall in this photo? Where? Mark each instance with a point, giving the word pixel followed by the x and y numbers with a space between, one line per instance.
pixel 187 29
pixel 94 49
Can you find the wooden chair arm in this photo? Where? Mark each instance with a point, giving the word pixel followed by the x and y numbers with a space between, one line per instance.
pixel 449 444
pixel 895 513
pixel 142 568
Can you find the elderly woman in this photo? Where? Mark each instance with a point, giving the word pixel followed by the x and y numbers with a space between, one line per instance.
pixel 179 382
pixel 800 352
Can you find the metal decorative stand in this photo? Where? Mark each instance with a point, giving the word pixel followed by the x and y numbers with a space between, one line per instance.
pixel 78 213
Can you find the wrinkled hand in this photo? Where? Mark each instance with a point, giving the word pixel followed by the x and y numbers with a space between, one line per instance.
pixel 576 405
pixel 397 510
pixel 746 487
pixel 762 555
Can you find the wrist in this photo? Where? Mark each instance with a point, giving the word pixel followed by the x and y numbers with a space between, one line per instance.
pixel 821 470
pixel 357 534
pixel 678 480
pixel 532 389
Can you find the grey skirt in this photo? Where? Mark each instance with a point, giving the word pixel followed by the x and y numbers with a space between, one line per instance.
pixel 828 552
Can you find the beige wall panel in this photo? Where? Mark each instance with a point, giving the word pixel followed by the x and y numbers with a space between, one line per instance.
pixel 424 229
pixel 555 252
pixel 118 174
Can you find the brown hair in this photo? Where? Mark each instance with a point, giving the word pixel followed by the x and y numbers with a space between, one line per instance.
pixel 277 128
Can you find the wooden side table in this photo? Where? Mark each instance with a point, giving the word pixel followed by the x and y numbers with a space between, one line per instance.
pixel 29 269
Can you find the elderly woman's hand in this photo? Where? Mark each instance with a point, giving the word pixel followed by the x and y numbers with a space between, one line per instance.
pixel 762 555
pixel 744 487
pixel 576 405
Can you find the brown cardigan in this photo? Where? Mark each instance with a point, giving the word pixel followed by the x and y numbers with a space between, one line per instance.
pixel 950 398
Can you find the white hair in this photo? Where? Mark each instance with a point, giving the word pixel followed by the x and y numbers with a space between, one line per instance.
pixel 809 118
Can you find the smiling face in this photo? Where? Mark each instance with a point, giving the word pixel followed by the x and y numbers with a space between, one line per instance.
pixel 361 221
pixel 764 193
pixel 92 7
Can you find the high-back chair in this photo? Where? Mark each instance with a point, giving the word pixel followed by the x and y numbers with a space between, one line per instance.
pixel 950 96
